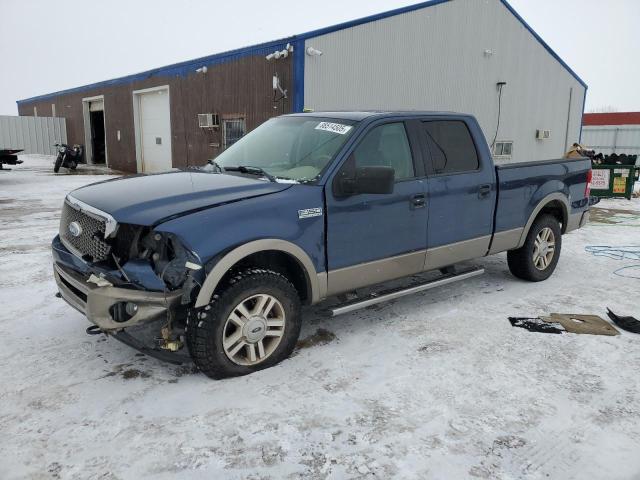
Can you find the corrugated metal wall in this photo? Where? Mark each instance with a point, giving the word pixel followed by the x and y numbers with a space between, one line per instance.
pixel 612 139
pixel 32 134
pixel 434 59
pixel 236 88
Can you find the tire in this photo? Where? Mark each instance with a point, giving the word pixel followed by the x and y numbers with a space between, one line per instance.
pixel 73 165
pixel 57 164
pixel 213 333
pixel 526 262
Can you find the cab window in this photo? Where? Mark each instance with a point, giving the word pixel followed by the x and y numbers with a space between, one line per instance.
pixel 386 146
pixel 451 146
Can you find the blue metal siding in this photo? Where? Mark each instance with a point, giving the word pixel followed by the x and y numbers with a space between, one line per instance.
pixel 298 75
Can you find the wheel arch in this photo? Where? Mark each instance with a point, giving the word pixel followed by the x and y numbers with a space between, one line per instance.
pixel 555 204
pixel 315 288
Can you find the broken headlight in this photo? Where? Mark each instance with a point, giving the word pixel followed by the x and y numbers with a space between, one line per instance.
pixel 167 256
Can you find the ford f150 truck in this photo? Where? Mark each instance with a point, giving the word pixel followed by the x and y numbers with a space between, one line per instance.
pixel 305 207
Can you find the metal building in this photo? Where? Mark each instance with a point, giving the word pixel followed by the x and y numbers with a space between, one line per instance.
pixel 609 133
pixel 471 56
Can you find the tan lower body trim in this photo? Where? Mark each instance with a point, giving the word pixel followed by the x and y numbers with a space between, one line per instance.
pixel 380 271
pixel 322 287
pixel 456 252
pixel 371 273
pixel 507 240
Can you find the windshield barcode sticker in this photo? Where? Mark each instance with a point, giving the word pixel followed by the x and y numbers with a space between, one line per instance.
pixel 334 128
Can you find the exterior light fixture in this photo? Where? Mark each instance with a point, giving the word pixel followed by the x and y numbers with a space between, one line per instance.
pixel 278 54
pixel 312 52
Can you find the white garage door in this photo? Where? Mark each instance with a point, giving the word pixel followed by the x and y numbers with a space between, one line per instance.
pixel 155 131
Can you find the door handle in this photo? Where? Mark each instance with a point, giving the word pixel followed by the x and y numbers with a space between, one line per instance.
pixel 484 190
pixel 418 201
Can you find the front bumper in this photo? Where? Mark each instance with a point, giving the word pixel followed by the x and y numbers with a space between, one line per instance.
pixel 96 302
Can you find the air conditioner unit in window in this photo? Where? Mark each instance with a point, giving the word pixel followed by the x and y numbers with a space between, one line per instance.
pixel 543 134
pixel 208 120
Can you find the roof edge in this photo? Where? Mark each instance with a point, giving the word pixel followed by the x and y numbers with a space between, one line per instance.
pixel 605 119
pixel 543 43
pixel 432 3
pixel 255 49
pixel 175 68
pixel 370 19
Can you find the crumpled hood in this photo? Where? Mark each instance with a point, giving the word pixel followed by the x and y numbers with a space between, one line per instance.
pixel 152 199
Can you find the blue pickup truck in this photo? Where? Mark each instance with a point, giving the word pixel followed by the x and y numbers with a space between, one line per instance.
pixel 305 207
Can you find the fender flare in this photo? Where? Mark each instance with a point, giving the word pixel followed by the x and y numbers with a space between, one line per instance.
pixel 536 211
pixel 318 289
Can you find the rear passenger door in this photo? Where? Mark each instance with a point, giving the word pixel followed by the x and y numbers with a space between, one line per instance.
pixel 462 193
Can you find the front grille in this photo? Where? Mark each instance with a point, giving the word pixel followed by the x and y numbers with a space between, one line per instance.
pixel 90 243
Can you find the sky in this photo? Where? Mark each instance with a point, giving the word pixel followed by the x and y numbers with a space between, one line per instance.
pixel 46 45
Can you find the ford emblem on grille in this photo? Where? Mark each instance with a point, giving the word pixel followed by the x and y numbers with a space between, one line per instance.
pixel 75 229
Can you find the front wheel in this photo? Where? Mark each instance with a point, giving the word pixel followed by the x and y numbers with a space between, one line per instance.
pixel 57 164
pixel 536 260
pixel 253 322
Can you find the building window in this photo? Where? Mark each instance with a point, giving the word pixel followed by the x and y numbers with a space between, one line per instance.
pixel 503 149
pixel 233 130
pixel 35 111
pixel 53 109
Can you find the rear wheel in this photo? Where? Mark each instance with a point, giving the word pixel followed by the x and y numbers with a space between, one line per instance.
pixel 538 257
pixel 252 323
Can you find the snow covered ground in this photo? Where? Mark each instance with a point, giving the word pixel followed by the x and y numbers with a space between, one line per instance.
pixel 435 385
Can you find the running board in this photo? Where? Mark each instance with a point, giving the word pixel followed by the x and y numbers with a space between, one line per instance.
pixel 387 295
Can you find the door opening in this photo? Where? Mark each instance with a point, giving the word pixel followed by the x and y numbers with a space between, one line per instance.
pixel 95 131
pixel 97 136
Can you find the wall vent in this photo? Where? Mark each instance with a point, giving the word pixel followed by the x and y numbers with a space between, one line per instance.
pixel 543 134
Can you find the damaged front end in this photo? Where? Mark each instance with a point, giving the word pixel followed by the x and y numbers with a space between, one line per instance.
pixel 121 275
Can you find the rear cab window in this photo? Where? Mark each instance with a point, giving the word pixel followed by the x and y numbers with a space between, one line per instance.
pixel 451 147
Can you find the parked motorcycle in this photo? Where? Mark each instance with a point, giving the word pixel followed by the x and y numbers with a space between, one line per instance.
pixel 68 157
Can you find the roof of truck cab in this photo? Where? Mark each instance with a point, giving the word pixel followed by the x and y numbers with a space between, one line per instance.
pixel 359 115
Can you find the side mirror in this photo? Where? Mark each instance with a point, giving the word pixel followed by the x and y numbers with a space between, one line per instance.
pixel 378 180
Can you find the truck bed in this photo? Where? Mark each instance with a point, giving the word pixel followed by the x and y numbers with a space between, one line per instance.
pixel 524 187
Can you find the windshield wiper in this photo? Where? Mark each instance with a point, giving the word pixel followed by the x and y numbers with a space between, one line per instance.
pixel 216 166
pixel 248 169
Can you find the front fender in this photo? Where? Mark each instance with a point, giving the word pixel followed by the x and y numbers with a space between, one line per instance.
pixel 315 280
pixel 225 234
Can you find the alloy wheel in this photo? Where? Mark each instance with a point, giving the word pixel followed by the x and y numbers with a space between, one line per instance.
pixel 254 329
pixel 544 248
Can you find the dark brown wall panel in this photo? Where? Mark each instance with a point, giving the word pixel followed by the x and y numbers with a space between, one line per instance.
pixel 242 87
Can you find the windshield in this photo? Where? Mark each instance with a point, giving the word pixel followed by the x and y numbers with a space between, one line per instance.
pixel 289 148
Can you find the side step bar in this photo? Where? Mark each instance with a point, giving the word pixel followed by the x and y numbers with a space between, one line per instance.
pixel 392 294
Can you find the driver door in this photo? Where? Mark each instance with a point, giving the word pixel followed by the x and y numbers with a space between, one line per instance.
pixel 372 238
